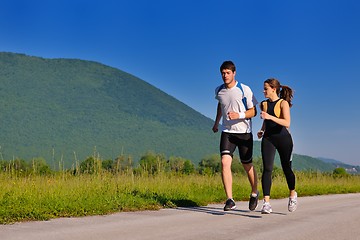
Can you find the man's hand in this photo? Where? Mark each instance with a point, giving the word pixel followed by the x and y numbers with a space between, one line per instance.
pixel 235 115
pixel 215 128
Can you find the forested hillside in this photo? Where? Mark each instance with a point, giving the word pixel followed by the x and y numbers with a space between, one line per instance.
pixel 68 109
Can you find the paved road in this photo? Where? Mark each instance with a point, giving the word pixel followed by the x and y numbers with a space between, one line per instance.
pixel 321 217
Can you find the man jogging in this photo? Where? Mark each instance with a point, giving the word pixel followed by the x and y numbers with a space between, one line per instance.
pixel 236 107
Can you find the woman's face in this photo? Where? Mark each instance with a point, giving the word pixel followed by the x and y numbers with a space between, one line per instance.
pixel 269 91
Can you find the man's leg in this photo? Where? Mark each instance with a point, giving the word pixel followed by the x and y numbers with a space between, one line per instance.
pixel 226 174
pixel 251 173
pixel 254 196
pixel 245 146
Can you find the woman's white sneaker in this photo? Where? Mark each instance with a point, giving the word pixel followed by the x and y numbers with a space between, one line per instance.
pixel 292 203
pixel 266 208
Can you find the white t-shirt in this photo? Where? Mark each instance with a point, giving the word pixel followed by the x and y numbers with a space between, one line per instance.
pixel 231 100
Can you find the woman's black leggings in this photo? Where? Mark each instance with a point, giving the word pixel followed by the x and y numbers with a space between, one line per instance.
pixel 284 145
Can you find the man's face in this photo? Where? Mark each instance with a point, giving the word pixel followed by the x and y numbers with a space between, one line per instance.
pixel 228 76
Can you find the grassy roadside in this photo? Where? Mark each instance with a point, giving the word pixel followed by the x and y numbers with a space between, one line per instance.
pixel 24 198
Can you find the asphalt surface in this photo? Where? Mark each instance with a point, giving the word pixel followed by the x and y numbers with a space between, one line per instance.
pixel 319 217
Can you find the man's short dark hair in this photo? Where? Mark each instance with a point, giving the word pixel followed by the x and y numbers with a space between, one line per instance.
pixel 228 65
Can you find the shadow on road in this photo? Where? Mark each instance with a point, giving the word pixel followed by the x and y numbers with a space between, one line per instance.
pixel 219 211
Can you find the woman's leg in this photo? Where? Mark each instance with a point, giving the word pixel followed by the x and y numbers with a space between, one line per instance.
pixel 268 155
pixel 285 152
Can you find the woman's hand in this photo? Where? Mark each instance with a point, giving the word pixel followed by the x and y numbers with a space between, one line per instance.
pixel 265 115
pixel 260 134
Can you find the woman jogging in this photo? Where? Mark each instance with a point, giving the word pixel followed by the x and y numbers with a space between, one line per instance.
pixel 275 136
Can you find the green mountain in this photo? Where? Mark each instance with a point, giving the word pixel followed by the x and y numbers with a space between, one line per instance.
pixel 338 164
pixel 65 108
pixel 69 109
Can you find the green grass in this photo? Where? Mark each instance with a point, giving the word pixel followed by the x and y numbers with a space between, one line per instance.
pixel 24 198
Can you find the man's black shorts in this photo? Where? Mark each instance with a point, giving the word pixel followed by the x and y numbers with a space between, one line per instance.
pixel 244 142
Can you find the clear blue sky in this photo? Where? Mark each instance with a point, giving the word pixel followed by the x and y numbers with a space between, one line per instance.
pixel 178 46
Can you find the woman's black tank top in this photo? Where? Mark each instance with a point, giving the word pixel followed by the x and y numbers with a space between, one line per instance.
pixel 271 127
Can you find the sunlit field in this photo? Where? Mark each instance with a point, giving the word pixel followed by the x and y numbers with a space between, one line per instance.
pixel 64 194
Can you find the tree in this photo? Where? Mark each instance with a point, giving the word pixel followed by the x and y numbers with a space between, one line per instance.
pixel 90 165
pixel 3 165
pixel 107 165
pixel 152 163
pixel 123 163
pixel 180 165
pixel 210 164
pixel 340 172
pixel 236 166
pixel 189 167
pixel 19 165
pixel 40 166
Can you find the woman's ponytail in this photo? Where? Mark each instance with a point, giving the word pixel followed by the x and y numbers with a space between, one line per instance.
pixel 286 93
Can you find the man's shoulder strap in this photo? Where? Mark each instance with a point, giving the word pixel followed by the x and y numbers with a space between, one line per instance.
pixel 243 94
pixel 222 86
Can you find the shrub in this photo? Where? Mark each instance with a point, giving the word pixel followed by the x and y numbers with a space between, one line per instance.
pixel 152 163
pixel 180 165
pixel 39 166
pixel 123 164
pixel 90 165
pixel 210 165
pixel 339 172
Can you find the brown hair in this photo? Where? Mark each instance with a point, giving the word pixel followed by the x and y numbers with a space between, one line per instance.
pixel 284 92
pixel 228 65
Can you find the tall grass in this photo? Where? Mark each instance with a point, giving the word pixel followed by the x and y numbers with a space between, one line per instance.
pixel 34 197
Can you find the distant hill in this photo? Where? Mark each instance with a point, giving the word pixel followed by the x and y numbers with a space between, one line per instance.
pixel 70 107
pixel 329 160
pixel 337 164
pixel 303 162
pixel 67 109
